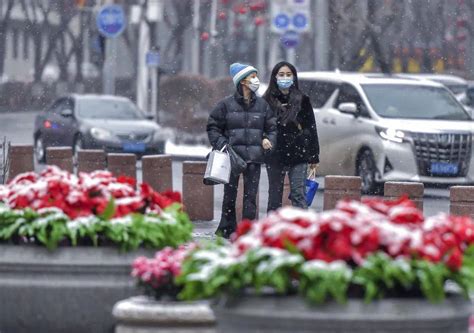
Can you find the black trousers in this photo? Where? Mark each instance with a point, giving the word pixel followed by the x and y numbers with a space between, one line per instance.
pixel 228 222
pixel 276 176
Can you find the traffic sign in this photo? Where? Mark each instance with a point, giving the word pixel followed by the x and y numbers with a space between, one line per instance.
pixel 111 21
pixel 300 21
pixel 281 21
pixel 152 59
pixel 290 39
pixel 290 15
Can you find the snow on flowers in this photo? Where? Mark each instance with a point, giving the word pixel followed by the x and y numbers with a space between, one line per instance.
pixel 158 274
pixel 355 230
pixel 374 246
pixel 83 195
pixel 56 207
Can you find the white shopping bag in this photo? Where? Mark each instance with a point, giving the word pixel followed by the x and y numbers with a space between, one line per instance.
pixel 218 166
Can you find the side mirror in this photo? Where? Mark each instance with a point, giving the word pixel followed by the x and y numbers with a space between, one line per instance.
pixel 350 108
pixel 149 117
pixel 67 113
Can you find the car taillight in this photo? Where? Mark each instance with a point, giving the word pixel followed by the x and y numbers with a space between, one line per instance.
pixel 47 124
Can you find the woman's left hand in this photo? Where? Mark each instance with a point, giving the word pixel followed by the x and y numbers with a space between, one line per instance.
pixel 266 144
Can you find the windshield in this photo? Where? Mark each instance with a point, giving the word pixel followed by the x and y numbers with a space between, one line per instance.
pixel 414 102
pixel 108 109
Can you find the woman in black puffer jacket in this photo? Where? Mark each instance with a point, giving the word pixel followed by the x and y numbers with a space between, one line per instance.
pixel 247 124
pixel 297 138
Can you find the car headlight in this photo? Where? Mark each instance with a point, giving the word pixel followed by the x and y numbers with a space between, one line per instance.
pixel 102 134
pixel 391 134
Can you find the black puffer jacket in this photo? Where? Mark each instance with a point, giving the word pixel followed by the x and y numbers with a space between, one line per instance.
pixel 297 142
pixel 242 126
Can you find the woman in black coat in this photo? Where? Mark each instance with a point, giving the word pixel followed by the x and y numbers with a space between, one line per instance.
pixel 297 138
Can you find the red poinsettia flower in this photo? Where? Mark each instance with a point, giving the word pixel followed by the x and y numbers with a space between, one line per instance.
pixel 243 227
pixel 454 260
pixel 355 230
pixel 82 195
pixel 127 180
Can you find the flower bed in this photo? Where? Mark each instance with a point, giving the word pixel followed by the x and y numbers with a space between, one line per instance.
pixel 159 310
pixel 157 275
pixel 373 249
pixel 58 208
pixel 61 211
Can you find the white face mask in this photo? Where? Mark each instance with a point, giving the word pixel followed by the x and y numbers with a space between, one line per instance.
pixel 254 83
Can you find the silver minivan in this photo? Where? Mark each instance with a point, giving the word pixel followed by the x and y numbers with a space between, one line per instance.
pixel 388 128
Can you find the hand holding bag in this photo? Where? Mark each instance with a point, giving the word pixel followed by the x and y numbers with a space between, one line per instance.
pixel 237 163
pixel 311 187
pixel 218 167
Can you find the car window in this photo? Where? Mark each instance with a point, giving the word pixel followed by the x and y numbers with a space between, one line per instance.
pixel 57 106
pixel 96 108
pixel 414 102
pixel 68 104
pixel 469 98
pixel 349 94
pixel 318 91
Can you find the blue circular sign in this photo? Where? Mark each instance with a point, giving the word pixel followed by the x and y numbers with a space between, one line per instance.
pixel 282 21
pixel 290 39
pixel 300 21
pixel 111 21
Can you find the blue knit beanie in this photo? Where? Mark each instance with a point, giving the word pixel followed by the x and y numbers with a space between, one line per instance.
pixel 240 72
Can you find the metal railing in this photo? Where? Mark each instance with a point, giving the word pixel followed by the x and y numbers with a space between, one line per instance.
pixel 4 160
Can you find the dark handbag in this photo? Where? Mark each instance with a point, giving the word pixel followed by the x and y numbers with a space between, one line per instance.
pixel 237 163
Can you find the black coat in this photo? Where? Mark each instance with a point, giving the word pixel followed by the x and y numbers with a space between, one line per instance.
pixel 242 126
pixel 297 142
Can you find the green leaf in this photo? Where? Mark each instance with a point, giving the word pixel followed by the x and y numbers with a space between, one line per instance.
pixel 109 210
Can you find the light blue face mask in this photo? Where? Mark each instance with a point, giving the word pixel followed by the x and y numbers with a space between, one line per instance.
pixel 284 83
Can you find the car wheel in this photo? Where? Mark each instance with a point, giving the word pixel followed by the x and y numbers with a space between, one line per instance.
pixel 366 170
pixel 40 150
pixel 78 145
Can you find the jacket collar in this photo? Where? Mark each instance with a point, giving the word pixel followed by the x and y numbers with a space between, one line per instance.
pixel 240 99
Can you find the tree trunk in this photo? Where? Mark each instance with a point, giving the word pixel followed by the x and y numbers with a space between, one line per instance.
pixel 38 47
pixel 4 22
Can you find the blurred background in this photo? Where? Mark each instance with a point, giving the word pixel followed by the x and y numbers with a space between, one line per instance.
pixel 171 57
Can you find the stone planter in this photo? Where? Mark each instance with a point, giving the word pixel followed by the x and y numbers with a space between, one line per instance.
pixel 71 289
pixel 270 313
pixel 145 315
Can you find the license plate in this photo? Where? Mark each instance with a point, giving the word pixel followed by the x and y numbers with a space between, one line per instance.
pixel 134 147
pixel 440 168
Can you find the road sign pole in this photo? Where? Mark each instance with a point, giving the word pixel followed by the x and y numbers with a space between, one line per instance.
pixel 153 63
pixel 291 55
pixel 142 77
pixel 110 66
pixel 321 51
pixel 111 22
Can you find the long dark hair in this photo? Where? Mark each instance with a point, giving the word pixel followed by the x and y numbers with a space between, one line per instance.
pixel 287 113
